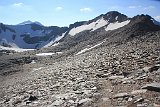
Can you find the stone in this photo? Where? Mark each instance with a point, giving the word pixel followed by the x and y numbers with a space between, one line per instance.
pixel 156 105
pixel 142 105
pixel 139 100
pixel 32 98
pixel 105 99
pixel 152 87
pixel 139 91
pixel 115 77
pixel 84 101
pixel 151 69
pixel 121 95
pixel 56 103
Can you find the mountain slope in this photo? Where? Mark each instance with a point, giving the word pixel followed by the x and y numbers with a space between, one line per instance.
pixel 131 28
pixel 109 21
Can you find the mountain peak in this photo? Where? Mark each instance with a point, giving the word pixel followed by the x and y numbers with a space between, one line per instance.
pixel 114 16
pixel 30 22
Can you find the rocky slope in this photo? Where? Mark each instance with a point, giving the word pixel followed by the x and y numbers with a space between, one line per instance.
pixel 116 68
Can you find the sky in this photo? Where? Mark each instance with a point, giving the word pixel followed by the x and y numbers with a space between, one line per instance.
pixel 65 12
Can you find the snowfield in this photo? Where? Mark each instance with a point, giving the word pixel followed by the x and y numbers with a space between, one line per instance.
pixel 48 54
pixel 56 40
pixel 92 26
pixel 15 49
pixel 98 24
pixel 87 49
pixel 45 54
pixel 116 25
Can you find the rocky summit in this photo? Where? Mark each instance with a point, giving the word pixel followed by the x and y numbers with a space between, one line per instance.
pixel 109 61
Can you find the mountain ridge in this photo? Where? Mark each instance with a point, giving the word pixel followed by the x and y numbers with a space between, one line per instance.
pixel 37 35
pixel 30 22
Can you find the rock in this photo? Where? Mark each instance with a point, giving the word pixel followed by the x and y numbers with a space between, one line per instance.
pixel 156 105
pixel 128 80
pixel 138 91
pixel 101 75
pixel 141 105
pixel 115 77
pixel 64 96
pixel 16 100
pixel 131 104
pixel 146 69
pixel 151 69
pixel 139 100
pixel 105 99
pixel 32 98
pixel 142 77
pixel 86 100
pixel 121 95
pixel 94 88
pixel 33 62
pixel 152 87
pixel 71 101
pixel 56 103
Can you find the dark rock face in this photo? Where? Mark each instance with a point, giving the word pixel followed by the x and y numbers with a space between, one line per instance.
pixel 111 17
pixel 114 16
pixel 76 24
pixel 143 23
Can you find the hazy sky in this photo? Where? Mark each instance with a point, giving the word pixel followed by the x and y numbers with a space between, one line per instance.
pixel 65 12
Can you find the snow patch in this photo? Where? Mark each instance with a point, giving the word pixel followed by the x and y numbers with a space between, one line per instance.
pixel 116 17
pixel 37 69
pixel 155 22
pixel 53 41
pixel 15 49
pixel 87 49
pixel 59 52
pixel 92 26
pixel 45 54
pixel 116 25
pixel 56 44
pixel 33 62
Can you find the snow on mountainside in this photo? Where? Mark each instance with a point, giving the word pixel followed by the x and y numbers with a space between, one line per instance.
pixel 29 36
pixel 110 21
pixel 116 25
pixel 156 22
pixel 16 49
pixel 92 26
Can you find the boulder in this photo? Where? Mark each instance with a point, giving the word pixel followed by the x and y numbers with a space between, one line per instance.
pixel 152 87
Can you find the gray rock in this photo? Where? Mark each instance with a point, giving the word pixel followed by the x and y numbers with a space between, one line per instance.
pixel 152 87
pixel 121 95
pixel 151 69
pixel 138 91
pixel 115 77
pixel 86 100
pixel 56 103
